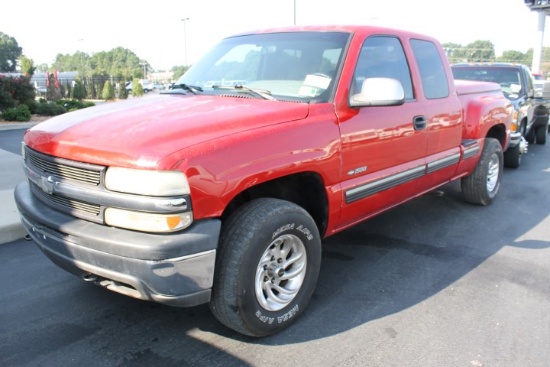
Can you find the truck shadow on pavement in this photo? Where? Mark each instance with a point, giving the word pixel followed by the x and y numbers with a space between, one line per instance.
pixel 421 249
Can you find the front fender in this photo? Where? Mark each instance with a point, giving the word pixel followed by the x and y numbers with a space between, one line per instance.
pixel 220 169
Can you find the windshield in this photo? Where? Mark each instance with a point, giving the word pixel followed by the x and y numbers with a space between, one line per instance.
pixel 298 66
pixel 509 79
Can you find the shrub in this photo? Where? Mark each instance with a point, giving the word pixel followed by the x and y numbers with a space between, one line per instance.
pixel 108 92
pixel 19 113
pixel 137 88
pixel 15 91
pixel 73 104
pixel 32 106
pixel 79 92
pixel 50 109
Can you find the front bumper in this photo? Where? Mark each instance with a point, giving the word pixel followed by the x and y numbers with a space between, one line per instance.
pixel 516 139
pixel 175 269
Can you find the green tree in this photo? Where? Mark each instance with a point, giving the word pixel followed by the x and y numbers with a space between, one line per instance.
pixel 119 62
pixel 108 92
pixel 513 56
pixel 455 52
pixel 122 91
pixel 480 51
pixel 9 53
pixel 137 88
pixel 79 92
pixel 178 71
pixel 27 65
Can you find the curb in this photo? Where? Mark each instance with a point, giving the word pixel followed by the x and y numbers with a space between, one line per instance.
pixel 11 228
pixel 16 125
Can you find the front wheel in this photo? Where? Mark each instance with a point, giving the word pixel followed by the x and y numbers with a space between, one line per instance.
pixel 512 157
pixel 266 268
pixel 481 187
pixel 541 135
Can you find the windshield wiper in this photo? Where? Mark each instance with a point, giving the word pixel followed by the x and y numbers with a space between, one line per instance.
pixel 189 88
pixel 262 93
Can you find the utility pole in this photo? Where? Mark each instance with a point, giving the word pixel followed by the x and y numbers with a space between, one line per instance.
pixel 144 64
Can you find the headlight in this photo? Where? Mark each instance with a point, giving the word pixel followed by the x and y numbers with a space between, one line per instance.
pixel 147 222
pixel 514 126
pixel 144 182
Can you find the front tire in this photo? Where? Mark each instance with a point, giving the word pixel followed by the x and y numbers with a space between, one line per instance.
pixel 541 135
pixel 512 157
pixel 481 187
pixel 266 268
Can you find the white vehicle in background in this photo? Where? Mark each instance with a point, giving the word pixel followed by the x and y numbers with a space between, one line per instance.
pixel 146 84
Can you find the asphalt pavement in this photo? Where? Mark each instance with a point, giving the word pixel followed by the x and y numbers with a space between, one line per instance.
pixel 12 173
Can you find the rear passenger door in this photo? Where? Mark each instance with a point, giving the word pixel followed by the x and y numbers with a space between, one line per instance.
pixel 443 111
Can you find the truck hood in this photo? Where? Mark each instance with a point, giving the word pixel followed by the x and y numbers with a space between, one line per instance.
pixel 141 131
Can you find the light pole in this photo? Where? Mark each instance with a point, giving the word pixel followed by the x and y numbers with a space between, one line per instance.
pixel 81 52
pixel 184 20
pixel 144 64
pixel 294 12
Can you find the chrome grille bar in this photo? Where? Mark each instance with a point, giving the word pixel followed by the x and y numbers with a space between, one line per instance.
pixel 64 171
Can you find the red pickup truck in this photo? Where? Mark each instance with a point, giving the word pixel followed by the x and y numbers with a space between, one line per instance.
pixel 222 188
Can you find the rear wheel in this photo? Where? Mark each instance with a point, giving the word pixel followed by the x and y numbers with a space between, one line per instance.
pixel 481 187
pixel 267 267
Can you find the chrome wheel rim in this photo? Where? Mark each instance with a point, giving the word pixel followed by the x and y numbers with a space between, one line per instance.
pixel 281 272
pixel 493 172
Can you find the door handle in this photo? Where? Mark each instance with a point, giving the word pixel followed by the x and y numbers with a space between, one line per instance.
pixel 419 122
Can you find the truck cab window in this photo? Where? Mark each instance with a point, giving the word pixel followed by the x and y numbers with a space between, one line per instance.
pixel 383 57
pixel 432 71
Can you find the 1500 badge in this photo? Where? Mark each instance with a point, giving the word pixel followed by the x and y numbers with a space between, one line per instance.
pixel 357 171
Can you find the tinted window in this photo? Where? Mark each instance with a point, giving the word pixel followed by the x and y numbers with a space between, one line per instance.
pixel 383 57
pixel 432 69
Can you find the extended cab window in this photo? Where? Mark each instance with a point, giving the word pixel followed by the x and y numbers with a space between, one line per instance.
pixel 383 57
pixel 432 71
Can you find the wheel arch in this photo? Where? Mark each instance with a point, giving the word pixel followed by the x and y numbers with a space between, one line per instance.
pixel 498 132
pixel 305 189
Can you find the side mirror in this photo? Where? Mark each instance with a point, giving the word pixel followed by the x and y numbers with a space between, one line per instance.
pixel 378 92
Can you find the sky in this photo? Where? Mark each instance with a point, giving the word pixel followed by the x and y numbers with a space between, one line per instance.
pixel 156 32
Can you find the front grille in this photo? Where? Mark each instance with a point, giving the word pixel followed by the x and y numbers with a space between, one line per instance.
pixel 80 175
pixel 65 169
pixel 66 204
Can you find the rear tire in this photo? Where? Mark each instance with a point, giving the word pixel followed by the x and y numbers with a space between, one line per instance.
pixel 266 268
pixel 481 187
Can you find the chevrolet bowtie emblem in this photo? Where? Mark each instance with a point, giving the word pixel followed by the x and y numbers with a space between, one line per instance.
pixel 47 184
